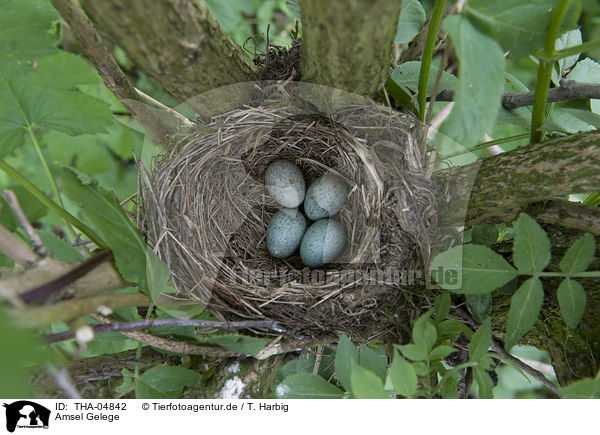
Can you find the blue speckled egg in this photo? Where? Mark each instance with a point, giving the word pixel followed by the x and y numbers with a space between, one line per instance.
pixel 285 183
pixel 325 197
pixel 285 232
pixel 322 243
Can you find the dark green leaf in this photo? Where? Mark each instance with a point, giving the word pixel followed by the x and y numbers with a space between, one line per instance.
pixel 366 384
pixel 448 388
pixel 531 248
pixel 307 386
pixel 235 342
pixel 484 382
pixel 520 27
pixel 441 306
pixel 28 31
pixel 525 307
pixel 483 270
pixel 413 352
pixel 479 306
pixel 509 288
pixel 165 382
pixel 412 18
pixel 579 255
pixel 60 249
pixel 571 299
pixel 102 209
pixel 374 360
pixel 406 75
pixel 451 329
pixel 345 355
pixel 480 342
pixel 480 82
pixel 582 389
pixel 403 376
pixel 424 333
pixel 441 352
pixel 484 235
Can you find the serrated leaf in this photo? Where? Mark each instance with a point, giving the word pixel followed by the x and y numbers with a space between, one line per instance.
pixel 165 382
pixel 520 27
pixel 479 306
pixel 480 342
pixel 484 382
pixel 103 211
pixel 345 355
pixel 525 307
pixel 579 255
pixel 571 300
pixel 406 75
pixel 480 82
pixel 366 384
pixel 482 270
pixel 441 306
pixel 424 333
pixel 531 248
pixel 307 386
pixel 403 376
pixel 374 360
pixel 441 352
pixel 413 352
pixel 60 249
pixel 412 18
pixel 28 31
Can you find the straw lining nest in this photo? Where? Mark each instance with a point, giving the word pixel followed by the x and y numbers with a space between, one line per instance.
pixel 206 211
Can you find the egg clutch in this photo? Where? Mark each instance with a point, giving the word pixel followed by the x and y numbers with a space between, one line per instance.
pixel 324 240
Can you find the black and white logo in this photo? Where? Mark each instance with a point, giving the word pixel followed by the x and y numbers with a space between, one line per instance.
pixel 25 414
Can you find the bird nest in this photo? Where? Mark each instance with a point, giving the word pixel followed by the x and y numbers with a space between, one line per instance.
pixel 206 210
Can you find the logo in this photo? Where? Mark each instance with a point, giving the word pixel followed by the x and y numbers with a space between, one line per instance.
pixel 26 414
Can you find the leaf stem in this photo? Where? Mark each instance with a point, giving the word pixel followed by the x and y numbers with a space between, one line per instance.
pixel 570 51
pixel 434 25
pixel 542 85
pixel 55 190
pixel 41 196
pixel 590 274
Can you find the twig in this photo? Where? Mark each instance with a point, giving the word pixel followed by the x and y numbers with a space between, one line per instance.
pixel 63 381
pixel 157 323
pixel 318 358
pixel 175 113
pixel 15 249
pixel 33 237
pixel 499 349
pixel 568 90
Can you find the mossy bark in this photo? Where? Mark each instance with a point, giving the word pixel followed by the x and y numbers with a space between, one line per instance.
pixel 348 45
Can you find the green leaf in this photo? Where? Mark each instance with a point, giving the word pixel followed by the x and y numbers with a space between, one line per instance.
pixel 235 342
pixel 48 97
pixel 374 360
pixel 126 384
pixel 482 270
pixel 406 75
pixel 587 71
pixel 307 386
pixel 28 31
pixel 582 389
pixel 480 82
pixel 345 355
pixel 424 333
pixel 484 235
pixel 60 249
pixel 451 329
pixel 403 376
pixel 479 306
pixel 531 248
pixel 441 352
pixel 103 211
pixel 441 306
pixel 571 299
pixel 449 388
pixel 157 274
pixel 480 343
pixel 412 18
pixel 413 352
pixel 484 382
pixel 165 382
pixel 525 307
pixel 365 384
pixel 579 255
pixel 520 27
pixel 566 40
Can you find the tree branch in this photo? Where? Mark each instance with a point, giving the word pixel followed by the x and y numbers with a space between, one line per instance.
pixel 568 90
pixel 178 43
pixel 348 45
pixel 498 189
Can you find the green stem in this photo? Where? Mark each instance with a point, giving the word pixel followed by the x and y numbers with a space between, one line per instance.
pixel 55 190
pixel 488 144
pixel 571 51
pixel 542 85
pixel 590 274
pixel 41 196
pixel 434 25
